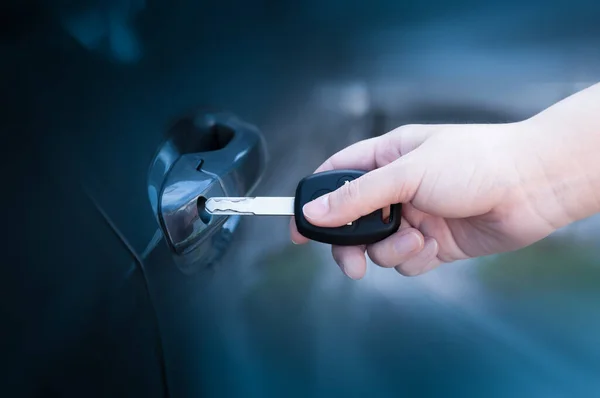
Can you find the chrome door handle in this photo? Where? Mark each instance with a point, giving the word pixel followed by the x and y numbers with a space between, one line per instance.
pixel 206 154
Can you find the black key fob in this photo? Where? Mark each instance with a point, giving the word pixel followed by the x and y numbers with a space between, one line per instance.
pixel 364 231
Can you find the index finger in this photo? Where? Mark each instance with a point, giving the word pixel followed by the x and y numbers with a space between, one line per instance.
pixel 361 155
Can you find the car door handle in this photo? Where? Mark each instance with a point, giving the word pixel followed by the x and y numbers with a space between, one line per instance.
pixel 206 154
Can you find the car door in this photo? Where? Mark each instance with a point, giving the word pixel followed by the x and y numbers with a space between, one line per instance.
pixel 105 295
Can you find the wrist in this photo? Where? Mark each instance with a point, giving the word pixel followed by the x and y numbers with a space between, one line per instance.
pixel 566 162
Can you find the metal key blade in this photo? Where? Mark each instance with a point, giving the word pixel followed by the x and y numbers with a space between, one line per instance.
pixel 258 206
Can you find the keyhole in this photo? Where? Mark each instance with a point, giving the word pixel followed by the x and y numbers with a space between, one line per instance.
pixel 204 215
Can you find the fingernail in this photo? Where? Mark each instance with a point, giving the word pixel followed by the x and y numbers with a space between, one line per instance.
pixel 407 243
pixel 317 208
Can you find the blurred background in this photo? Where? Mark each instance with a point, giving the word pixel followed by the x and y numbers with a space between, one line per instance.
pixel 90 87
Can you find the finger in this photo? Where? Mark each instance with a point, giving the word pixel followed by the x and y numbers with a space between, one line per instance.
pixel 395 183
pixel 351 260
pixel 397 248
pixel 360 155
pixel 411 136
pixel 295 236
pixel 423 262
pixel 379 151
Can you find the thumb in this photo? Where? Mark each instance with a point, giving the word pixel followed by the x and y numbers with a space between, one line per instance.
pixel 394 183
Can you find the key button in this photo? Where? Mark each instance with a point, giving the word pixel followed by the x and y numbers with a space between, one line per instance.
pixel 344 180
pixel 351 226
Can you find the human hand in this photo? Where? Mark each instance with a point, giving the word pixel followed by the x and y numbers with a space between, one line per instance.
pixel 467 191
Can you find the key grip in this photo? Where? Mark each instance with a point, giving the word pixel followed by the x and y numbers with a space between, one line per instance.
pixel 366 230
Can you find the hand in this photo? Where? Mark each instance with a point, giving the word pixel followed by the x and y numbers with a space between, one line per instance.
pixel 467 191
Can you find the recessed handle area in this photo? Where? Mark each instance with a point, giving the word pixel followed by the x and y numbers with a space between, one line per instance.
pixel 205 154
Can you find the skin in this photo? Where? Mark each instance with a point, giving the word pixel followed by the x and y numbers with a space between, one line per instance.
pixel 467 190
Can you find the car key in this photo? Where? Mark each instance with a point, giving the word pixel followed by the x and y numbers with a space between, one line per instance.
pixel 366 230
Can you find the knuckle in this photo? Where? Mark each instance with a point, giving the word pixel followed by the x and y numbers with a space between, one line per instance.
pixel 410 136
pixel 374 255
pixel 446 257
pixel 384 261
pixel 349 195
pixel 405 129
pixel 351 191
pixel 401 193
pixel 407 271
pixel 403 185
pixel 388 151
pixel 382 256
